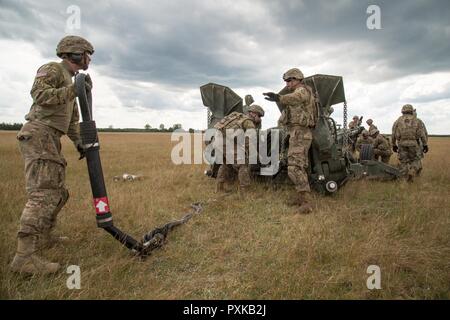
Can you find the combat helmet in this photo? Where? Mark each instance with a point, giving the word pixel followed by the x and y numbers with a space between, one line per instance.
pixel 293 73
pixel 365 133
pixel 256 109
pixel 369 121
pixel 73 44
pixel 407 108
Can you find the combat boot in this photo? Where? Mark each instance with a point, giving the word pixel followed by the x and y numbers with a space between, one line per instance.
pixel 27 261
pixel 243 191
pixel 297 201
pixel 220 187
pixel 305 207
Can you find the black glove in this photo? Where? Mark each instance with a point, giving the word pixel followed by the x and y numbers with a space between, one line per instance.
pixel 395 148
pixel 88 82
pixel 425 149
pixel 81 150
pixel 272 96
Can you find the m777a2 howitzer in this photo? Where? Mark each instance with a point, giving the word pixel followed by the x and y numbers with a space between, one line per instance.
pixel 331 163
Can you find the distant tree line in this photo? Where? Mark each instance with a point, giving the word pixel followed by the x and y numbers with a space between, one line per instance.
pixel 10 126
pixel 147 128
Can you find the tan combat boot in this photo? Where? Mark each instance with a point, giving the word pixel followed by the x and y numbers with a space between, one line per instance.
pixel 244 191
pixel 220 187
pixel 305 206
pixel 297 201
pixel 27 261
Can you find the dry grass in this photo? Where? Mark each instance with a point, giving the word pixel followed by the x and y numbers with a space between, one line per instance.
pixel 253 249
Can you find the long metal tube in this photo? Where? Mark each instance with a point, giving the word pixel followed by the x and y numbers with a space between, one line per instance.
pixel 89 136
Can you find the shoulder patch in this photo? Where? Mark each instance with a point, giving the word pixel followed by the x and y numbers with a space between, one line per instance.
pixel 41 74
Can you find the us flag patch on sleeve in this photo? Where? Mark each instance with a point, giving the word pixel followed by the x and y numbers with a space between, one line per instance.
pixel 41 74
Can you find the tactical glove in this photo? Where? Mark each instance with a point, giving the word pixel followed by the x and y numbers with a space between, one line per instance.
pixel 81 150
pixel 425 149
pixel 272 96
pixel 88 82
pixel 395 148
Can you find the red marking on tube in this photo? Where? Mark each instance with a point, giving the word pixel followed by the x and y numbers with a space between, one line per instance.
pixel 101 205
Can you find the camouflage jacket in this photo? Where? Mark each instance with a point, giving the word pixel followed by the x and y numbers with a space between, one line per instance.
pixel 372 128
pixel 54 103
pixel 235 120
pixel 361 140
pixel 407 131
pixel 298 108
pixel 380 143
pixel 423 128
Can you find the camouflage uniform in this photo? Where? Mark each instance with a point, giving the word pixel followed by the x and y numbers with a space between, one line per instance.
pixel 298 117
pixel 372 127
pixel 407 133
pixel 54 112
pixel 381 148
pixel 424 129
pixel 354 123
pixel 363 139
pixel 227 171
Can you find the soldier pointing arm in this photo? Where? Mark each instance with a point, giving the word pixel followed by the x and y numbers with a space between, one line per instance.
pixel 298 116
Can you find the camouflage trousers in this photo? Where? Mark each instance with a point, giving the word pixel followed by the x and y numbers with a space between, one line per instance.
pixel 44 178
pixel 227 173
pixel 300 139
pixel 382 155
pixel 410 163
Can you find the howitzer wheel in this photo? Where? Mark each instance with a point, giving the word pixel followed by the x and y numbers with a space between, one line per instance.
pixel 366 152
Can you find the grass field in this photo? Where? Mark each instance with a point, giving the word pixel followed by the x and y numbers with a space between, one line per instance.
pixel 256 248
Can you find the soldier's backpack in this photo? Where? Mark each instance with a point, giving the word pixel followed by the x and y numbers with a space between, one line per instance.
pixel 231 121
pixel 407 128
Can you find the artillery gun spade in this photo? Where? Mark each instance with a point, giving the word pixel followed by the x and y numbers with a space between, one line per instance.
pixel 89 135
pixel 331 163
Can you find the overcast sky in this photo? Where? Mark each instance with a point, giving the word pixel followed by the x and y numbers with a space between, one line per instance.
pixel 151 57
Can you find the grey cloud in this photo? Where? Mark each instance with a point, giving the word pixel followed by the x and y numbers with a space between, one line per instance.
pixel 184 43
pixel 181 45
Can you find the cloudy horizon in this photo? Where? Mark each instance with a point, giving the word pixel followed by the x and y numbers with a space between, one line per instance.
pixel 151 57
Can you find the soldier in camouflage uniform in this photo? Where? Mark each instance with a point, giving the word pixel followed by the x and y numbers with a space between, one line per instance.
pixel 236 121
pixel 381 147
pixel 299 117
pixel 424 129
pixel 372 127
pixel 354 123
pixel 54 112
pixel 363 139
pixel 407 133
